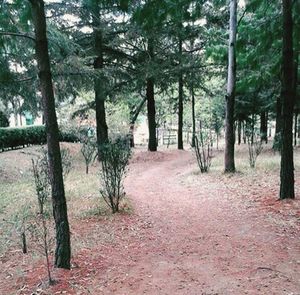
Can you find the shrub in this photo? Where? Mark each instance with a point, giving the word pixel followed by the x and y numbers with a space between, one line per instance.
pixel 69 134
pixel 66 161
pixel 30 135
pixel 21 136
pixel 41 179
pixel 254 147
pixel 40 168
pixel 114 161
pixel 88 150
pixel 203 151
pixel 39 228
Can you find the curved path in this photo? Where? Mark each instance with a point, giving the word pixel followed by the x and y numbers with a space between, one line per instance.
pixel 190 235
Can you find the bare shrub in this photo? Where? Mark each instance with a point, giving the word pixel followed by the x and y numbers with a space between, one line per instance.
pixel 255 147
pixel 40 234
pixel 114 161
pixel 38 227
pixel 203 151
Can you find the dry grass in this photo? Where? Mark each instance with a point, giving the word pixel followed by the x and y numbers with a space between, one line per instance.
pixel 18 201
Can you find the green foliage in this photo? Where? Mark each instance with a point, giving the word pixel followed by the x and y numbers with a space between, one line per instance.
pixel 34 135
pixel 16 137
pixel 40 168
pixel 3 120
pixel 66 161
pixel 114 161
pixel 69 133
pixel 41 180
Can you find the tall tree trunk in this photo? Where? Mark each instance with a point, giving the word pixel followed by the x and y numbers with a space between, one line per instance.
pixel 134 116
pixel 244 132
pixel 102 130
pixel 16 119
pixel 297 51
pixel 63 246
pixel 239 132
pixel 287 94
pixel 230 97
pixel 298 128
pixel 180 103
pixel 152 144
pixel 278 124
pixel 263 127
pixel 295 127
pixel 193 114
pixel 180 112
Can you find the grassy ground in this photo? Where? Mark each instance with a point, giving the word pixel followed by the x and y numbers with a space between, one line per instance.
pixel 18 203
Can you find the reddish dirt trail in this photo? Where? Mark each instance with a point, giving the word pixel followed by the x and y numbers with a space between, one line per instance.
pixel 189 234
pixel 195 239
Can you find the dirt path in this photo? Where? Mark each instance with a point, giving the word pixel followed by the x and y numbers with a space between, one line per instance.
pixel 193 238
pixel 189 234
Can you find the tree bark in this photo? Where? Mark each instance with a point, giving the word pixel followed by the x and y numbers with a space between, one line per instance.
pixel 295 127
pixel 264 127
pixel 133 119
pixel 278 124
pixel 63 246
pixel 288 98
pixel 180 113
pixel 180 104
pixel 230 97
pixel 239 132
pixel 152 144
pixel 102 129
pixel 193 114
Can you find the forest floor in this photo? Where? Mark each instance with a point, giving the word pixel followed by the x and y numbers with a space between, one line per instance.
pixel 180 232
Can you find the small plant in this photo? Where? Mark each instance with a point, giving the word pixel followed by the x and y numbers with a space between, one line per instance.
pixel 203 151
pixel 88 150
pixel 66 161
pixel 277 142
pixel 39 228
pixel 114 161
pixel 41 180
pixel 255 147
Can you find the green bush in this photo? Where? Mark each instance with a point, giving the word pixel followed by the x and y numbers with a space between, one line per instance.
pixel 68 134
pixel 33 135
pixel 114 161
pixel 16 137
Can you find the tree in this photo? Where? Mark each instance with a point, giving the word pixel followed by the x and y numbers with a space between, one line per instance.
pixel 63 245
pixel 230 97
pixel 288 98
pixel 102 134
pixel 152 144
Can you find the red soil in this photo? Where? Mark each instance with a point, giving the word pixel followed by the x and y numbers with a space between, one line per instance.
pixel 189 234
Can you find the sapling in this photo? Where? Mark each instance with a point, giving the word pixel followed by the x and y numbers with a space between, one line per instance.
pixel 114 161
pixel 203 150
pixel 41 180
pixel 255 147
pixel 88 150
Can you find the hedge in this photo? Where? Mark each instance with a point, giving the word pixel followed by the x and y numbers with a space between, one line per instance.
pixel 29 135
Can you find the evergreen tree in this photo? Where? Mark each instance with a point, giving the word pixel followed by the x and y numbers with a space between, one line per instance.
pixel 63 246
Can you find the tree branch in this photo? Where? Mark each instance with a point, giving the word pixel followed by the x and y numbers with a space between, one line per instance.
pixel 23 35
